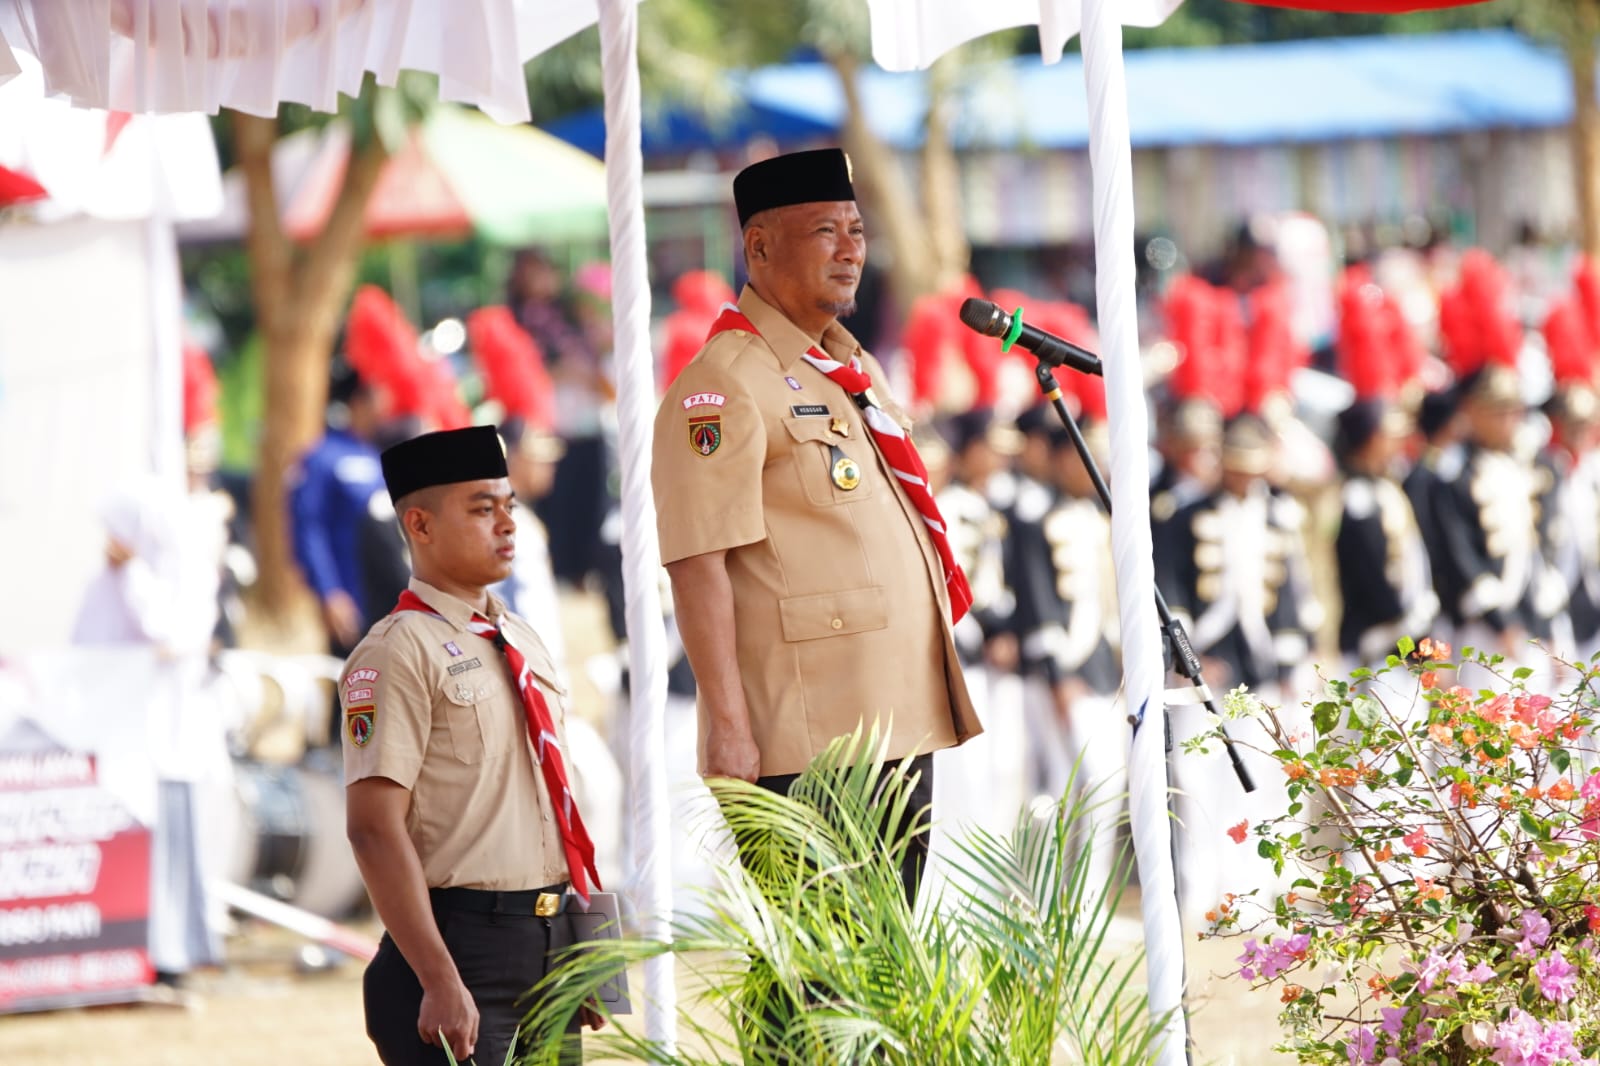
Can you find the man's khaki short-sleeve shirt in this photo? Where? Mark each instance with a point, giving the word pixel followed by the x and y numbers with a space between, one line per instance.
pixel 841 613
pixel 434 708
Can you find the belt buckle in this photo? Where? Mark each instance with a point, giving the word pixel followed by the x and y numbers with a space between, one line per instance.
pixel 548 905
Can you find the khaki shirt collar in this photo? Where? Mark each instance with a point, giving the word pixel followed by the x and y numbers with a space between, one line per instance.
pixel 787 340
pixel 457 612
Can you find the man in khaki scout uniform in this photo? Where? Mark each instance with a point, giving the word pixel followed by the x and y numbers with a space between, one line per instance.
pixel 456 818
pixel 809 586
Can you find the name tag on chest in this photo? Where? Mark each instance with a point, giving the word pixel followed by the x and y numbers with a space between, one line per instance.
pixel 464 665
pixel 809 410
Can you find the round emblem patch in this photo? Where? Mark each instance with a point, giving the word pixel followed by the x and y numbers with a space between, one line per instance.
pixel 705 434
pixel 359 725
pixel 846 474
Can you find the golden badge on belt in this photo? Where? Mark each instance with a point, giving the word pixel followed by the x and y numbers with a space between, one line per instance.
pixel 846 474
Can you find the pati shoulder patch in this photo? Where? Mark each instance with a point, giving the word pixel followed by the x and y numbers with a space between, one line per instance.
pixel 704 399
pixel 359 686
pixel 705 434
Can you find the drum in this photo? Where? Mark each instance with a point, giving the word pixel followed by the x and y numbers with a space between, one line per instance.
pixel 290 840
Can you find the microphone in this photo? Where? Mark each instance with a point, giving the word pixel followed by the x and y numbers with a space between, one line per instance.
pixel 985 317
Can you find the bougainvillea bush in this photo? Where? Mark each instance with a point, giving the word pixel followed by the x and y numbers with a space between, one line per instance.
pixel 1443 828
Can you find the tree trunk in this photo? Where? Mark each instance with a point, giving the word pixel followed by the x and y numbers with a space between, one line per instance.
pixel 883 185
pixel 298 297
pixel 941 182
pixel 1581 55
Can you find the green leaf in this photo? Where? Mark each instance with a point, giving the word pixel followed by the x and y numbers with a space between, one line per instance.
pixel 1402 776
pixel 1325 717
pixel 1532 826
pixel 1366 710
pixel 1522 673
pixel 1560 758
pixel 1406 646
pixel 1553 849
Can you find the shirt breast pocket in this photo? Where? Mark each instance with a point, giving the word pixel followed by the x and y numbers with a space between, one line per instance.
pixel 478 717
pixel 826 462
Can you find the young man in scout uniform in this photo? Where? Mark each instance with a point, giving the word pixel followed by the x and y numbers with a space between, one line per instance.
pixel 458 803
pixel 814 584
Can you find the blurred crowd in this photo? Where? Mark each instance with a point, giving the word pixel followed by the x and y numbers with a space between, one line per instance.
pixel 1407 452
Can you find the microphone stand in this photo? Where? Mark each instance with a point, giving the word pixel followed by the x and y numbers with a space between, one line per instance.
pixel 1184 659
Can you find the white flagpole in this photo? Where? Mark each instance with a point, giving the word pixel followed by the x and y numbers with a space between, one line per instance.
pixel 641 554
pixel 1111 159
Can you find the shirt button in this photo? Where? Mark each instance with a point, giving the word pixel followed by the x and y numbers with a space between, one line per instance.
pixel 838 623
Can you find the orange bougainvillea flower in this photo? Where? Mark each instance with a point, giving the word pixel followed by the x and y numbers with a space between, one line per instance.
pixel 1469 736
pixel 1429 679
pixel 1441 733
pixel 1385 853
pixel 1417 841
pixel 1292 898
pixel 1237 832
pixel 1295 770
pixel 1291 993
pixel 1426 889
pixel 1464 792
pixel 1562 790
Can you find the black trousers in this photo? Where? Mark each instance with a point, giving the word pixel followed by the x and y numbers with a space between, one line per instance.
pixel 919 807
pixel 500 957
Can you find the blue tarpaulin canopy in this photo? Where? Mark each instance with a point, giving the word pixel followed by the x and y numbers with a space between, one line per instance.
pixel 677 131
pixel 1317 90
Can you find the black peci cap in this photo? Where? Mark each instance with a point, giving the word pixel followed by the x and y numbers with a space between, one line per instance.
pixel 444 458
pixel 817 176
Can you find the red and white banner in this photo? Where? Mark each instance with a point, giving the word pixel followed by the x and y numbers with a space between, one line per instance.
pixel 74 879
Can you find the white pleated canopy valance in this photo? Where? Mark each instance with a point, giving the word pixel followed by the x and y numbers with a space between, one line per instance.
pixel 202 55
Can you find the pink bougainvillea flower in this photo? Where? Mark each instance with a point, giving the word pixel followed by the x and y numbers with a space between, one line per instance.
pixel 1535 930
pixel 1417 841
pixel 1238 832
pixel 1362 1046
pixel 1558 978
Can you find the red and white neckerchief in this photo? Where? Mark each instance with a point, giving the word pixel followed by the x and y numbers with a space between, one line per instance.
pixel 892 443
pixel 546 748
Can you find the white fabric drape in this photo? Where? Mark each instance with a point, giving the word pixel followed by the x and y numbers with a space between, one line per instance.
pixel 201 55
pixel 911 34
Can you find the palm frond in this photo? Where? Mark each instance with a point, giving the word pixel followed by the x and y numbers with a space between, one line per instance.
pixel 809 952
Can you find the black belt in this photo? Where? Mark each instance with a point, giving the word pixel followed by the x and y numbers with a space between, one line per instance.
pixel 544 902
